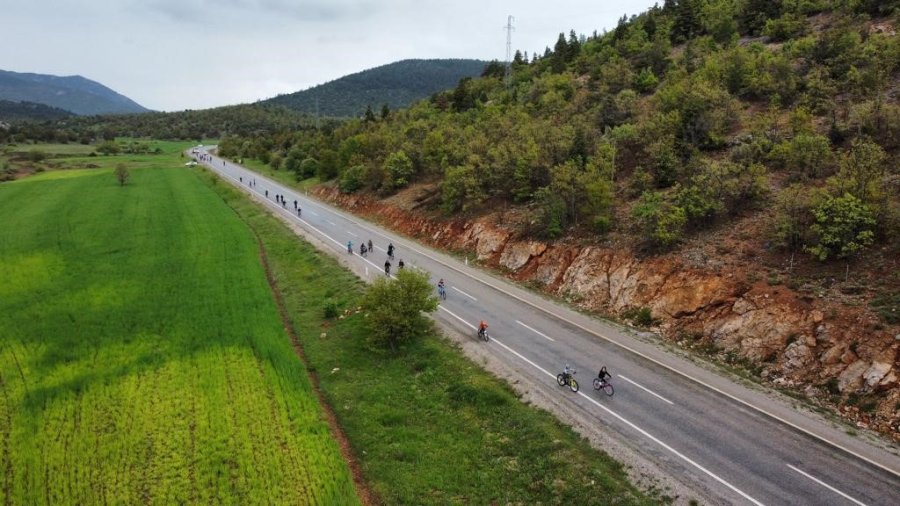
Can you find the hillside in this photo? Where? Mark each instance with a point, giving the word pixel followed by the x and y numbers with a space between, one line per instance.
pixel 725 173
pixel 24 111
pixel 71 93
pixel 397 84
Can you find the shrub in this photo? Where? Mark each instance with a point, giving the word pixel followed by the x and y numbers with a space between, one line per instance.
pixel 843 226
pixel 353 178
pixel 308 168
pixel 399 169
pixel 330 308
pixel 395 308
pixel 804 156
pixel 661 222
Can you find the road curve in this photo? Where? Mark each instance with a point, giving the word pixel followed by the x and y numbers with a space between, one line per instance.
pixel 735 443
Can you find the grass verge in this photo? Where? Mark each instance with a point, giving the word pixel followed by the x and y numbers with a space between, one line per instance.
pixel 427 425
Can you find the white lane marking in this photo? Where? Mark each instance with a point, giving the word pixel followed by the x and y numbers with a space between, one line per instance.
pixel 538 332
pixel 829 487
pixel 451 313
pixel 618 416
pixel 626 347
pixel 333 224
pixel 642 387
pixel 351 233
pixel 379 248
pixel 623 346
pixel 313 213
pixel 464 293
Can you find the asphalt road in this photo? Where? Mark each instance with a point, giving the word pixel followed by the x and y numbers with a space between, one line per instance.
pixel 735 444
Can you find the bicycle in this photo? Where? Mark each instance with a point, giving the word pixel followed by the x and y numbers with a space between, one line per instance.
pixel 567 378
pixel 483 335
pixel 605 385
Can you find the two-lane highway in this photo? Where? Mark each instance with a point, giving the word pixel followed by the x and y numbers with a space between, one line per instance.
pixel 735 444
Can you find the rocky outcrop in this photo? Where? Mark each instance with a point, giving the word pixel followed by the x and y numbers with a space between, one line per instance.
pixel 787 335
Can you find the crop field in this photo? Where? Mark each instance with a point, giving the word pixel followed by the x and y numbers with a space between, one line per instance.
pixel 427 425
pixel 142 358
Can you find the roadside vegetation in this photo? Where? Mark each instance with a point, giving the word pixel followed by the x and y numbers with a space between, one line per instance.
pixel 682 119
pixel 427 425
pixel 142 358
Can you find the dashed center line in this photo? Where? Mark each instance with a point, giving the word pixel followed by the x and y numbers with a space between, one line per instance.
pixel 333 224
pixel 651 392
pixel 538 332
pixel 464 293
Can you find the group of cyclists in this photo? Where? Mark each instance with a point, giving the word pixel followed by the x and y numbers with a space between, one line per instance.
pixel 601 382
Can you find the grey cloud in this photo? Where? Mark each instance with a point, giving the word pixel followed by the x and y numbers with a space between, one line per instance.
pixel 245 10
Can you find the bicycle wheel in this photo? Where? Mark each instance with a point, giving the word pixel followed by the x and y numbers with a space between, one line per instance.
pixel 561 380
pixel 597 384
pixel 485 336
pixel 573 384
pixel 608 388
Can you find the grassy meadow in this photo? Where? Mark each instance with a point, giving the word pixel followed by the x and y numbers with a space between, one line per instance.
pixel 427 425
pixel 142 358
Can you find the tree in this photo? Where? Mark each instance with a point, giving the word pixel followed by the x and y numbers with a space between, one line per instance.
pixel 385 111
pixel 399 169
pixel 369 115
pixel 395 308
pixel 862 170
pixel 121 174
pixel 843 226
pixel 661 222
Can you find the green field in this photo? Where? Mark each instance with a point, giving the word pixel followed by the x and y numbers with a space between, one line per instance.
pixel 427 425
pixel 142 359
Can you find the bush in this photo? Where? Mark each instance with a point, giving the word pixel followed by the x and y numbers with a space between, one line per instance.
pixel 353 178
pixel 804 156
pixel 661 222
pixel 843 226
pixel 786 27
pixel 396 308
pixel 399 169
pixel 308 168
pixel 330 308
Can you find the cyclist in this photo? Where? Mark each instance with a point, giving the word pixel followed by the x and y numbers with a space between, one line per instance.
pixel 400 264
pixel 362 249
pixel 370 245
pixel 482 328
pixel 568 371
pixel 390 250
pixel 442 293
pixel 387 267
pixel 350 247
pixel 602 375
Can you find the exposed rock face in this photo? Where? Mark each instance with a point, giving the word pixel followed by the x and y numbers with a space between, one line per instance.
pixel 769 325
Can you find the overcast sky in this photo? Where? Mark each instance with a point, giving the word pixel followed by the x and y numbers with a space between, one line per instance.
pixel 192 54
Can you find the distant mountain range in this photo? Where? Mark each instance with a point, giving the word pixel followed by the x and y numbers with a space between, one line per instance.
pixel 396 84
pixel 71 93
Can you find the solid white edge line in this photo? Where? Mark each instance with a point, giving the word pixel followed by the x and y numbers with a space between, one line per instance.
pixel 464 293
pixel 619 417
pixel 651 392
pixel 829 487
pixel 538 332
pixel 719 391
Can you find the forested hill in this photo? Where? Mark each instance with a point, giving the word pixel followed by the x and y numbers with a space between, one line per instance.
pixel 685 118
pixel 71 93
pixel 396 84
pixel 25 111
